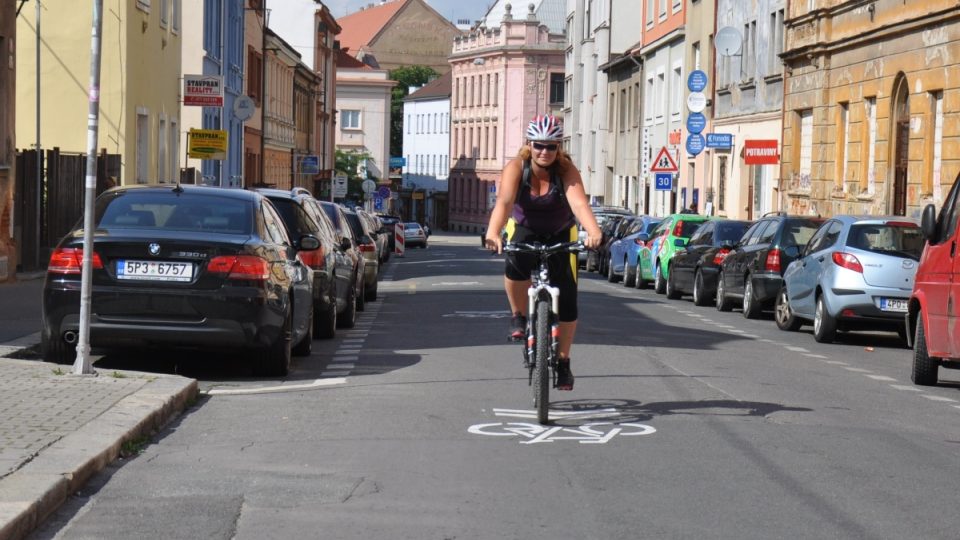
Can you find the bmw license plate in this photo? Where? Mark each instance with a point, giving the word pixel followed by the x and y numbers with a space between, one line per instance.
pixel 893 304
pixel 154 270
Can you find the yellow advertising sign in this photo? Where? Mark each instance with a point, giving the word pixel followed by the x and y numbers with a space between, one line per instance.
pixel 207 144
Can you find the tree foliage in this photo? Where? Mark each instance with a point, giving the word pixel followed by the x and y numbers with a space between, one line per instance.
pixel 347 162
pixel 406 77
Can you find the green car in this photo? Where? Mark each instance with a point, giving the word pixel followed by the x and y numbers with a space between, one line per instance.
pixel 654 256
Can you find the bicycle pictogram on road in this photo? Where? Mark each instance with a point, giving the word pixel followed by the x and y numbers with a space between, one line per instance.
pixel 600 432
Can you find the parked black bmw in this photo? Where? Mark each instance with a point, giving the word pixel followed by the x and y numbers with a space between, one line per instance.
pixel 184 267
pixel 694 269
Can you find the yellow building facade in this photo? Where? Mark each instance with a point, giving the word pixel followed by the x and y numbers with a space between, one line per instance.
pixel 871 100
pixel 140 83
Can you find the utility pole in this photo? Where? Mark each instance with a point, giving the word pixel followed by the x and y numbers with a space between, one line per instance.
pixel 82 365
pixel 39 163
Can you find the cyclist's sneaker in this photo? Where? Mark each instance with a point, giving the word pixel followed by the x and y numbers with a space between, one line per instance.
pixel 564 375
pixel 518 327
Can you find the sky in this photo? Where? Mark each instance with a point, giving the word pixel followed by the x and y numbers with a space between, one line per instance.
pixel 293 19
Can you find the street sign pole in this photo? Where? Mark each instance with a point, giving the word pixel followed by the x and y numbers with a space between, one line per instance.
pixel 82 365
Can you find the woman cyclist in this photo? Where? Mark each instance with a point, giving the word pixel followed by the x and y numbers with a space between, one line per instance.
pixel 542 194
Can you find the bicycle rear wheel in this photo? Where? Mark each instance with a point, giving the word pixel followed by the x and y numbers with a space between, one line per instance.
pixel 541 370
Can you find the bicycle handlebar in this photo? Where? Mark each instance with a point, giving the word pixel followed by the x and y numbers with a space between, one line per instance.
pixel 537 247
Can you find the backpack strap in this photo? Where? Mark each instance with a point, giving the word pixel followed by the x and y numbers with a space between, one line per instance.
pixel 524 180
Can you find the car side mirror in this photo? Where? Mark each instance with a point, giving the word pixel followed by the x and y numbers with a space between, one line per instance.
pixel 928 223
pixel 345 244
pixel 308 242
pixel 680 242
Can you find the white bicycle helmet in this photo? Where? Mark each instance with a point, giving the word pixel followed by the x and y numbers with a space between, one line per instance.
pixel 545 128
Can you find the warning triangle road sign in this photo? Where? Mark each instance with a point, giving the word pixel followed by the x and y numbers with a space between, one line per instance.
pixel 664 162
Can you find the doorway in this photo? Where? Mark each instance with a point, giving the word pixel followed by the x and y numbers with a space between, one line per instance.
pixel 901 138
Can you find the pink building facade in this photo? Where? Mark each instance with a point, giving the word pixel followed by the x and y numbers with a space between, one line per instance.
pixel 502 77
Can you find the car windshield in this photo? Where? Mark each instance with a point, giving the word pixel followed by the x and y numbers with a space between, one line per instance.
pixel 898 239
pixel 169 211
pixel 296 220
pixel 411 226
pixel 799 231
pixel 687 228
pixel 730 232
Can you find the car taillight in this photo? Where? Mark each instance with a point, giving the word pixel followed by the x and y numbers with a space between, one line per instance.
pixel 240 267
pixel 70 261
pixel 720 256
pixel 773 261
pixel 314 259
pixel 367 247
pixel 848 261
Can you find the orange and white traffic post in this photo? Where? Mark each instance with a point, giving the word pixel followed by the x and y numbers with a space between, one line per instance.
pixel 398 239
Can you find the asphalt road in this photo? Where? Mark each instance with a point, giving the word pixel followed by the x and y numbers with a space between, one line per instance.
pixel 685 423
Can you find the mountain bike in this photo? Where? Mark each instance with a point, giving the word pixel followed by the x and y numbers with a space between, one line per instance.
pixel 543 325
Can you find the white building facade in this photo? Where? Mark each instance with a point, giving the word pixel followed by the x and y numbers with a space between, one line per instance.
pixel 363 116
pixel 426 149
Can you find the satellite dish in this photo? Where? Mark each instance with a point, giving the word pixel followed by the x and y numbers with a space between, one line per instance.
pixel 727 41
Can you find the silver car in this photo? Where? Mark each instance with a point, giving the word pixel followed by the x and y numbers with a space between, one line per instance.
pixel 856 272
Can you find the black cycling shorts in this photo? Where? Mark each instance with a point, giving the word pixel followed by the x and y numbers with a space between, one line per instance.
pixel 562 266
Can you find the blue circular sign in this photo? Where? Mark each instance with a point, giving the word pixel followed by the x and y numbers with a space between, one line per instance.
pixel 695 144
pixel 383 192
pixel 696 122
pixel 697 81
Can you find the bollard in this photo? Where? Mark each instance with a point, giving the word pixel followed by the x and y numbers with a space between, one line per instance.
pixel 398 239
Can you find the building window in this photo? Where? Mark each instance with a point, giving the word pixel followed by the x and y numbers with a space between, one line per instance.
pixel 661 96
pixel 143 146
pixel 496 87
pixel 349 119
pixel 494 142
pixel 696 54
pixel 843 144
pixel 749 51
pixel 676 92
pixel 254 74
pixel 650 8
pixel 870 115
pixel 648 101
pixel 937 164
pixel 721 183
pixel 556 88
pixel 162 150
pixel 143 5
pixel 175 17
pixel 663 9
pixel 776 34
pixel 806 147
pixel 635 114
pixel 164 13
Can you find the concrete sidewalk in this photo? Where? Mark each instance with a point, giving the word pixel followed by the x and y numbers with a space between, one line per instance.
pixel 58 429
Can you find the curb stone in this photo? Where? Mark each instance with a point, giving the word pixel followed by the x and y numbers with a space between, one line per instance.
pixel 32 493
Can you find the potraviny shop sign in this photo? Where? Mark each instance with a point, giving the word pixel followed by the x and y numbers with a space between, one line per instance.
pixel 761 152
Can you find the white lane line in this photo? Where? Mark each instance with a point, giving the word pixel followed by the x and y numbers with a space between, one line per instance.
pixel 765 340
pixel 725 326
pixel 341 365
pixel 905 388
pixel 796 349
pixel 336 372
pixel 835 362
pixel 857 370
pixel 736 331
pixel 271 389
pixel 751 336
pixel 820 356
pixel 350 347
pixel 938 398
pixel 353 341
pixel 882 378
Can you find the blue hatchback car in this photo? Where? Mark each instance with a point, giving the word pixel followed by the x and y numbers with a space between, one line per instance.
pixel 623 252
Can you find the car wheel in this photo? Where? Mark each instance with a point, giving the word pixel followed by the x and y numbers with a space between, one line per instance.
pixel 361 296
pixel 925 368
pixel 611 276
pixel 640 282
pixel 751 308
pixel 305 347
pixel 723 303
pixel 672 292
pixel 58 351
pixel 371 292
pixel 629 277
pixel 275 361
pixel 824 326
pixel 699 298
pixel 325 324
pixel 782 313
pixel 659 284
pixel 349 316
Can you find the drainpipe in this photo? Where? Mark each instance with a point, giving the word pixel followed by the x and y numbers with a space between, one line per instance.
pixel 39 149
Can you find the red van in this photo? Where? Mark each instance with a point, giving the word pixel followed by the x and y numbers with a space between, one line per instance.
pixel 933 315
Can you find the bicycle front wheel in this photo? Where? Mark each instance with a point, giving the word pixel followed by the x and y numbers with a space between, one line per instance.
pixel 541 370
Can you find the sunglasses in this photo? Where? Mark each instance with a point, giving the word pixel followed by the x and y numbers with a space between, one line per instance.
pixel 548 147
